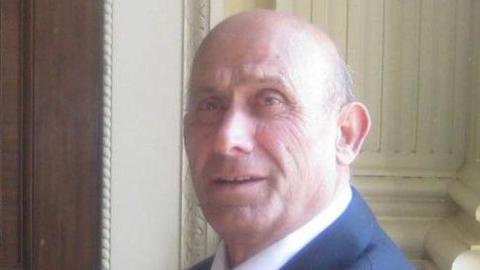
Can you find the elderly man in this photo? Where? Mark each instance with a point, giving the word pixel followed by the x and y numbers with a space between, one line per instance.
pixel 270 132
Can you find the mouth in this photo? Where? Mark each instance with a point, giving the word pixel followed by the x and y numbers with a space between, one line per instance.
pixel 237 180
pixel 236 189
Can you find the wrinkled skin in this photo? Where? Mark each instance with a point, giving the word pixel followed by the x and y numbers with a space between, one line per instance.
pixel 261 138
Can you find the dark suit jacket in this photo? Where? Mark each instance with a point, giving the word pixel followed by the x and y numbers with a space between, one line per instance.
pixel 354 241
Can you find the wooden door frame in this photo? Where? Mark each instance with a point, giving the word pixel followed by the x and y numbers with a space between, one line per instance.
pixel 62 134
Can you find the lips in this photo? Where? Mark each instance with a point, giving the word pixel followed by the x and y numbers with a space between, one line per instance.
pixel 235 189
pixel 237 179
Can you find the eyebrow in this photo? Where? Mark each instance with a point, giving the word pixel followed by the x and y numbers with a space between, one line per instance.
pixel 277 79
pixel 245 76
pixel 204 91
pixel 265 77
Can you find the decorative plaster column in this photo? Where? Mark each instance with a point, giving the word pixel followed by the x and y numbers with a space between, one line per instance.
pixel 197 238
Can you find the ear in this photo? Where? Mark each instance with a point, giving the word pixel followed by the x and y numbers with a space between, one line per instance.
pixel 353 124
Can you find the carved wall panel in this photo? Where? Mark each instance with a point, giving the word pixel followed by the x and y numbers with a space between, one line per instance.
pixel 419 112
pixel 476 81
pixel 332 15
pixel 197 239
pixel 365 56
pixel 410 67
pixel 470 174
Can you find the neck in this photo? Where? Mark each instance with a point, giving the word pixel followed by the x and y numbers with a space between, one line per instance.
pixel 240 248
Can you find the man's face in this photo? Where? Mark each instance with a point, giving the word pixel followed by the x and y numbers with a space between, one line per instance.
pixel 260 142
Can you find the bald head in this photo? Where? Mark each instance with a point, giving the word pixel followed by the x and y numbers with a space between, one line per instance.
pixel 294 41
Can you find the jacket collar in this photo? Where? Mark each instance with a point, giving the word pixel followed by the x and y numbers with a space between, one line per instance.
pixel 341 243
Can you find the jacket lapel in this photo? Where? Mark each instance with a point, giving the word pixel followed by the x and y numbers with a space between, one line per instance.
pixel 341 244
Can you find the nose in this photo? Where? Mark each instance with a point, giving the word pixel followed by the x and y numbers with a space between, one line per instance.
pixel 235 134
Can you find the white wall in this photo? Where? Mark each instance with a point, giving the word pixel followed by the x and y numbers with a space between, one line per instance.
pixel 146 144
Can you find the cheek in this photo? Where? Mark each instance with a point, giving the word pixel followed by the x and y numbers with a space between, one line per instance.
pixel 286 144
pixel 304 157
pixel 197 146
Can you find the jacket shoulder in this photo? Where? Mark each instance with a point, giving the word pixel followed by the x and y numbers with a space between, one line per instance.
pixel 203 265
pixel 379 258
pixel 355 241
pixel 384 254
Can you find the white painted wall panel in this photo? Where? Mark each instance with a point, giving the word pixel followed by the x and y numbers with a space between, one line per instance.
pixel 400 76
pixel 409 61
pixel 147 42
pixel 437 75
pixel 331 15
pixel 471 172
pixel 427 78
pixel 476 79
pixel 442 131
pixel 303 8
pixel 365 58
pixel 464 83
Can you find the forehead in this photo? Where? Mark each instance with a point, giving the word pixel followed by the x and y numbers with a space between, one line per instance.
pixel 224 63
pixel 240 71
pixel 291 58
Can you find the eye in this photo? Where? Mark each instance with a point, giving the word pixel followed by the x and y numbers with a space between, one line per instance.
pixel 210 110
pixel 270 102
pixel 210 104
pixel 271 97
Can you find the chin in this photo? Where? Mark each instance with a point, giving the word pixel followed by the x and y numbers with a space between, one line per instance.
pixel 237 221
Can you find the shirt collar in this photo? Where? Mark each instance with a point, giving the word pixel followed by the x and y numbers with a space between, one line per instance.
pixel 276 255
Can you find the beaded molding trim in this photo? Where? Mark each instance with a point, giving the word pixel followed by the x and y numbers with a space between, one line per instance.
pixel 107 134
